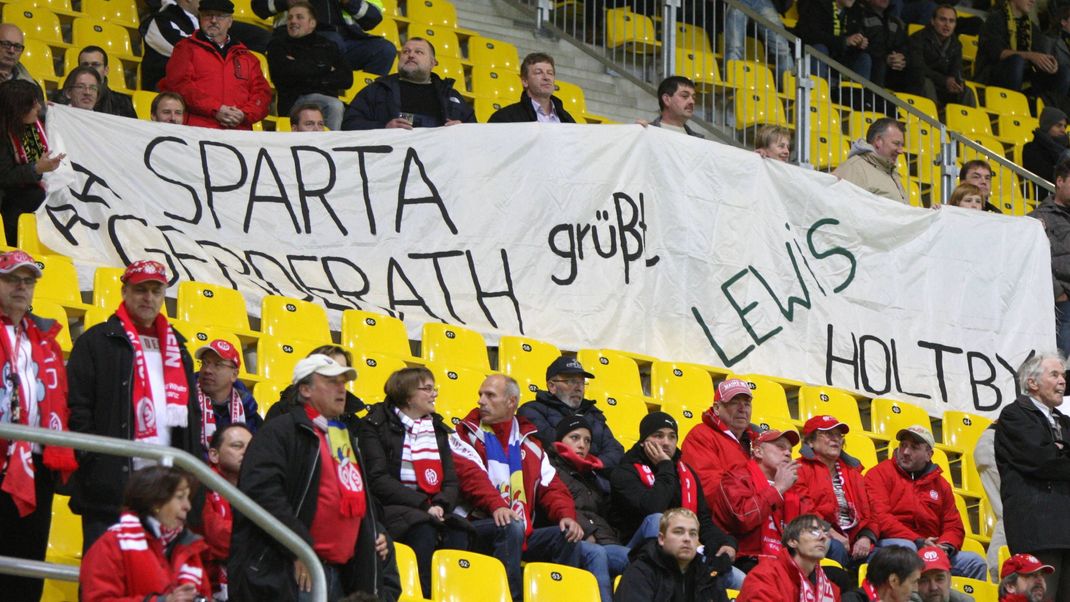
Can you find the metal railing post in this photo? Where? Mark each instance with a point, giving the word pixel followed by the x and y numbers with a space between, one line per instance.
pixel 803 85
pixel 165 455
pixel 668 37
pixel 948 161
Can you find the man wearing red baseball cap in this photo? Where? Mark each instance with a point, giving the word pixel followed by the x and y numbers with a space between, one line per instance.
pixel 757 499
pixel 934 585
pixel 1022 579
pixel 832 480
pixel 33 392
pixel 722 441
pixel 129 379
pixel 223 399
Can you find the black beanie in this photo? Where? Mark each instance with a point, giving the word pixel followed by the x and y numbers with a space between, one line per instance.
pixel 570 423
pixel 655 421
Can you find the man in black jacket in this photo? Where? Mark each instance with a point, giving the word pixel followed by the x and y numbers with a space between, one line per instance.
pixel 939 53
pixel 412 97
pixel 129 378
pixel 888 46
pixel 1033 456
pixel 305 469
pixel 668 569
pixel 537 101
pixel 564 396
pixel 307 67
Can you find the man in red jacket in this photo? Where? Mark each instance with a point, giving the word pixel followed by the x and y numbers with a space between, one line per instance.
pixel 723 440
pixel 218 77
pixel 756 501
pixel 504 476
pixel 831 480
pixel 914 505
pixel 1022 579
pixel 795 572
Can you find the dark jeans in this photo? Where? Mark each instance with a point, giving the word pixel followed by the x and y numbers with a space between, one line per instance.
pixel 372 53
pixel 1062 326
pixel 424 539
pixel 26 537
pixel 507 545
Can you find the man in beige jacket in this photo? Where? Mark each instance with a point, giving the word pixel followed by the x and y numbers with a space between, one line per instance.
pixel 871 164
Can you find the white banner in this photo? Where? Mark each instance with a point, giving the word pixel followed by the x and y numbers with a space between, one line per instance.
pixel 610 236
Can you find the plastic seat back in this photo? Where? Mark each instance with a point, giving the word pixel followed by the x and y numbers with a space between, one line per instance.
pixel 890 415
pixel 458 576
pixel 526 360
pixel 491 53
pixel 372 372
pixel 114 39
pixel 440 13
pixel 277 357
pixel 458 391
pixel 369 332
pixel 454 345
pixel 547 581
pixel 817 400
pixel 293 319
pixel 212 305
pixel 687 384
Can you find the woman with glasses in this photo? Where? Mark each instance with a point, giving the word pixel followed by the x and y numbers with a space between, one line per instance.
pixel 24 153
pixel 81 89
pixel 410 468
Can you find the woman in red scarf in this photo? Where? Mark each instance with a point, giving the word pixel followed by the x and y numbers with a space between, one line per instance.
pixel 410 468
pixel 149 552
pixel 24 154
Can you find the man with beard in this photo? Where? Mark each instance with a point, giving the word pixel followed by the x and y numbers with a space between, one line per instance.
pixel 1022 579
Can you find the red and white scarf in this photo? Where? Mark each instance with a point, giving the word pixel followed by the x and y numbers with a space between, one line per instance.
pixel 587 464
pixel 350 481
pixel 174 378
pixel 237 413
pixel 773 527
pixel 421 465
pixel 870 591
pixel 814 592
pixel 688 487
pixel 142 554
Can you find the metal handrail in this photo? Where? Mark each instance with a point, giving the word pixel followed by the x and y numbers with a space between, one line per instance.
pixel 169 456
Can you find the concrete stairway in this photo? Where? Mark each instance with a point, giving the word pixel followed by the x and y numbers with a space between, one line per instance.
pixel 608 95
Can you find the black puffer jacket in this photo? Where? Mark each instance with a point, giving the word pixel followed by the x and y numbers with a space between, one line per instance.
pixel 380 102
pixel 546 410
pixel 522 111
pixel 653 575
pixel 590 491
pixel 281 472
pixel 382 439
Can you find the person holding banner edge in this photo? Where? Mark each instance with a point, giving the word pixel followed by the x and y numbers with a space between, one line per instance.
pixel 1054 213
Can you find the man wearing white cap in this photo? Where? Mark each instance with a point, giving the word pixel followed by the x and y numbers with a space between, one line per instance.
pixel 224 400
pixel 304 468
pixel 1022 579
pixel 914 504
pixel 33 392
pixel 130 379
pixel 723 440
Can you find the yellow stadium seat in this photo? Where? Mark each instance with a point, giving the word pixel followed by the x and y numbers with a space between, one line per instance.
pixel 408 571
pixel 922 138
pixel 276 358
pixel 825 117
pixel 734 593
pixel 962 429
pixel 921 103
pixel 288 318
pixel 94 316
pixel 614 372
pixel 828 148
pixel 981 591
pixel 59 283
pixel 573 99
pixel 89 31
pixel 623 413
pixel 453 67
pixel 862 448
pixel 107 288
pixel 444 37
pixel 701 67
pixel 119 12
pixel 692 37
pixel 1004 554
pixel 267 393
pixel 544 581
pixel 687 415
pixel 440 13
pixel 454 345
pixel 387 29
pixel 914 193
pixel 61 8
pixel 458 576
pixel 1002 101
pixel 27 236
pixel 632 31
pixel 969 49
pixel 858 122
pixel 51 310
pixel 64 547
pixel 689 384
pixel 490 82
pixel 986 517
pixel 369 332
pixel 494 54
pixel 392 9
pixel 890 415
pixel 38 60
pixel 750 75
pixel 818 400
pixel 1016 129
pixel 214 305
pixel 458 391
pixel 819 89
pixel 37 23
pixel 756 107
pixel 372 372
pixel 143 103
pixel 970 544
pixel 526 360
pixel 940 459
pixel 243 12
pixel 486 107
pixel 769 396
pixel 967 120
pixel 361 79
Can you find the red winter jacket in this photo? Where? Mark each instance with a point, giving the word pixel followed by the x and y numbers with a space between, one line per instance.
pixel 218 524
pixel 776 580
pixel 207 80
pixel 914 509
pixel 541 483
pixel 709 451
pixel 815 484
pixel 111 574
pixel 742 511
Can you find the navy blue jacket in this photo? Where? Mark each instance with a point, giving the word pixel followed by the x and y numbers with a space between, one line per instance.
pixel 546 410
pixel 380 102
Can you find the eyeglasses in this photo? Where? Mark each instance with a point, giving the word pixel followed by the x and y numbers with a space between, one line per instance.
pixel 571 382
pixel 428 389
pixel 818 531
pixel 218 365
pixel 85 87
pixel 11 46
pixel 17 280
pixel 833 434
